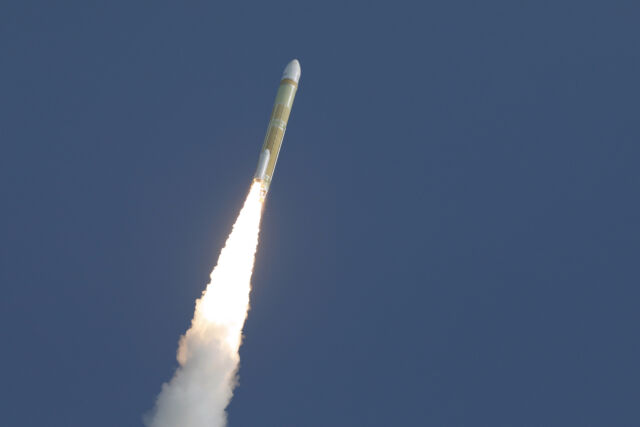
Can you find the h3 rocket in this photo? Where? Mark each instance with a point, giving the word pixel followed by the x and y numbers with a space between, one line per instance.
pixel 277 125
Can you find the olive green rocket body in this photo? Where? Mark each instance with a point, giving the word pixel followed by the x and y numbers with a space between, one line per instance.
pixel 277 125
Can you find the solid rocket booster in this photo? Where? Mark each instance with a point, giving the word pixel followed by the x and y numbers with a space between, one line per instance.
pixel 277 125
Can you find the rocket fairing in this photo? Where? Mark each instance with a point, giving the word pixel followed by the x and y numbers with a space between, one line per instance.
pixel 277 125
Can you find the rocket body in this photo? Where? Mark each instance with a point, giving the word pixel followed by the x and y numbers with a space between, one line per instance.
pixel 277 125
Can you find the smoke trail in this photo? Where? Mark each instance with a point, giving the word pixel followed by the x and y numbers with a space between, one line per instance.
pixel 203 384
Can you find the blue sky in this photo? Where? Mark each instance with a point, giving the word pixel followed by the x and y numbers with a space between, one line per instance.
pixel 451 238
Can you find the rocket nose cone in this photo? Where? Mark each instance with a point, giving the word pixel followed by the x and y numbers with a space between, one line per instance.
pixel 292 71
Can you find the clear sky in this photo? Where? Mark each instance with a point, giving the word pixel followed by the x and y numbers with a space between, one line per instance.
pixel 452 236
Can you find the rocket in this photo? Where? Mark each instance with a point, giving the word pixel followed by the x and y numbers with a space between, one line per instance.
pixel 277 125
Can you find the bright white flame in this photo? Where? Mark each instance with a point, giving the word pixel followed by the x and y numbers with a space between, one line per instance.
pixel 202 386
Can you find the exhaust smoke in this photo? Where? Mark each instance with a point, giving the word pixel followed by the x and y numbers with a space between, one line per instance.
pixel 203 384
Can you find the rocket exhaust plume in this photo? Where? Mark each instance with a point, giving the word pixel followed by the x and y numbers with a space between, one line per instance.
pixel 203 384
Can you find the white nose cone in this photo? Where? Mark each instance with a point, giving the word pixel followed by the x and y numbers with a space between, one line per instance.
pixel 292 71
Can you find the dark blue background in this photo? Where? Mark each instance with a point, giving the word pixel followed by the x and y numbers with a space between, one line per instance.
pixel 452 235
